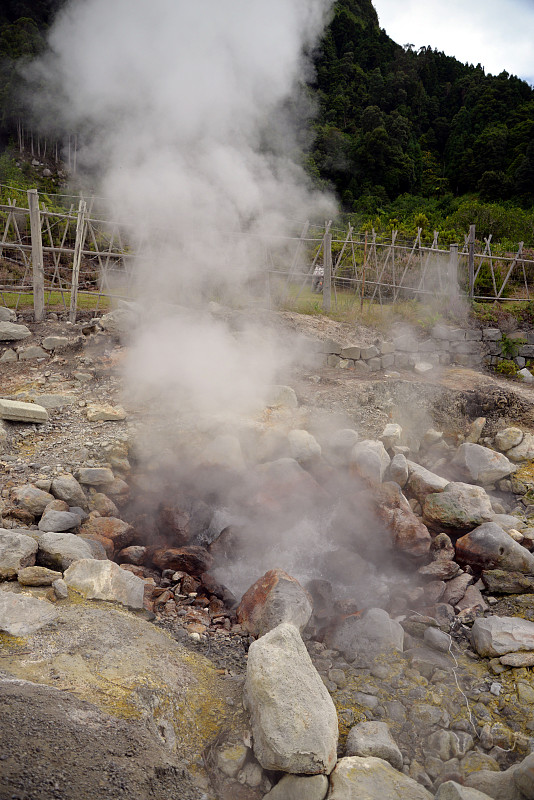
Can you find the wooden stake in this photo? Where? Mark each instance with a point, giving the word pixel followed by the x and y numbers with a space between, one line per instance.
pixel 37 255
pixel 78 247
pixel 327 278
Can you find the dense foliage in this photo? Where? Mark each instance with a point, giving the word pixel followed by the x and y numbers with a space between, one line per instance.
pixel 407 139
pixel 395 121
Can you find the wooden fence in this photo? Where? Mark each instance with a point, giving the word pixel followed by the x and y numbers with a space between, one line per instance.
pixel 59 256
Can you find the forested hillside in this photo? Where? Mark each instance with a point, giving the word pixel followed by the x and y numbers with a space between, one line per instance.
pixel 393 120
pixel 398 132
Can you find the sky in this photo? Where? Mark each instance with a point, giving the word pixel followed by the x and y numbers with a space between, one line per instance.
pixel 499 34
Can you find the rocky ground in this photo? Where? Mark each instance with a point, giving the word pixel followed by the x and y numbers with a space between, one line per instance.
pixel 392 613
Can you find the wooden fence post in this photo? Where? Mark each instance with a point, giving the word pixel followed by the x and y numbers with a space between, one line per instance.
pixel 327 277
pixel 37 255
pixel 453 270
pixel 471 261
pixel 78 247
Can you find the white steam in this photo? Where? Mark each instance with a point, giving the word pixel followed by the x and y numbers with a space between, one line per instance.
pixel 188 114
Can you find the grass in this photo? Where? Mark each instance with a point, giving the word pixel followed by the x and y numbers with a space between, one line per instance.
pixel 346 307
pixel 54 301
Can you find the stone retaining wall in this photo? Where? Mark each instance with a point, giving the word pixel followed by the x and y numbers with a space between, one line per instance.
pixel 444 345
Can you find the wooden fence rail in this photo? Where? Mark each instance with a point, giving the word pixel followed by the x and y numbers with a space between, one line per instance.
pixel 53 254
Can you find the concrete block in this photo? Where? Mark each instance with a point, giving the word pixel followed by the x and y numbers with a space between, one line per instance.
pixel 445 359
pixel 362 367
pixel 468 348
pixel 386 348
pixel 331 346
pixel 401 360
pixel 527 351
pixel 333 361
pixel 388 360
pixel 405 342
pixel 427 346
pixel 34 351
pixel 353 351
pixel 473 335
pixel 374 364
pixel 492 335
pixel 369 352
pixel 15 411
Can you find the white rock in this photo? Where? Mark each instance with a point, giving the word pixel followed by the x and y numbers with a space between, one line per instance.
pixel 15 411
pixel 422 482
pixel 370 459
pixel 303 446
pixel 369 778
pixel 526 375
pixel 299 787
pixel 21 615
pixel 391 435
pixel 374 739
pixel 422 367
pixel 523 451
pixel 294 721
pixel 105 580
pixel 9 332
pixel 454 791
pixel 282 396
pixel 16 551
pixel 496 636
pixel 398 470
pixel 59 550
pixel 480 464
pixel 508 438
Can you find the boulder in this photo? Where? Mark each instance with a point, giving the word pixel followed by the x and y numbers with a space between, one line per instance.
pixel 459 506
pixel 274 598
pixel 367 635
pixel 303 447
pixel 524 776
pixel 508 438
pixel 28 353
pixel 294 721
pixel 21 615
pixel 523 451
pixel 410 535
pixel 118 531
pixel 105 580
pixel 119 321
pixel 480 464
pixel 489 547
pixel 450 790
pixel 37 576
pixel 55 342
pixel 422 482
pixel 11 332
pixel 501 785
pixel 193 560
pixel 391 435
pixel 369 460
pixel 16 551
pixel 398 469
pixel 368 778
pixel 299 787
pixel 497 636
pixel 104 505
pixel 58 521
pixel 373 739
pixel 30 498
pixel 283 396
pixel 59 550
pixel 7 314
pixel 66 487
pixel 95 476
pixel 105 413
pixel 499 581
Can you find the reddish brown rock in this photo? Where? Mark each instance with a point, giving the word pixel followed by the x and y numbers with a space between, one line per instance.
pixel 472 600
pixel 106 543
pixel 56 505
pixel 135 570
pixel 173 525
pixel 193 560
pixel 120 533
pixel 214 587
pixel 104 505
pixel 409 534
pixel 275 598
pixel 135 554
